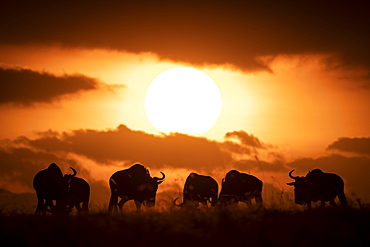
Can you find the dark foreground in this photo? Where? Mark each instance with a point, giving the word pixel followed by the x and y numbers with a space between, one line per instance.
pixel 180 227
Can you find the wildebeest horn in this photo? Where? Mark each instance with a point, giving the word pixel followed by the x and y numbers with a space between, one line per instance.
pixel 163 176
pixel 174 202
pixel 291 176
pixel 74 172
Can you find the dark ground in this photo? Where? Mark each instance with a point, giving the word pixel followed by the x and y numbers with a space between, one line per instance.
pixel 201 227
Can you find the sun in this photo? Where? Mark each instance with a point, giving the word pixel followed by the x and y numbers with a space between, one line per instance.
pixel 184 100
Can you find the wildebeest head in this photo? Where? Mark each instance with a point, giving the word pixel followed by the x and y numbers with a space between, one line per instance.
pixel 69 176
pixel 303 188
pixel 134 183
pixel 149 190
pixel 62 203
pixel 199 189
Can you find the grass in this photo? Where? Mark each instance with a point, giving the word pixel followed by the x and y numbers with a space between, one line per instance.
pixel 191 227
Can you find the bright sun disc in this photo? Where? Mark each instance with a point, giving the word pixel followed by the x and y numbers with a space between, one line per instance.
pixel 183 100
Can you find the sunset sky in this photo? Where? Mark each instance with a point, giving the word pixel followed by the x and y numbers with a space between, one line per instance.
pixel 294 78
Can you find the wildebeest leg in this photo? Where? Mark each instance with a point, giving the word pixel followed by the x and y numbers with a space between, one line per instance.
pixel 332 202
pixel 122 202
pixel 61 206
pixel 41 208
pixel 50 204
pixel 204 202
pixel 85 206
pixel 113 201
pixel 138 205
pixel 249 203
pixel 213 200
pixel 258 200
pixel 85 202
pixel 342 198
pixel 77 206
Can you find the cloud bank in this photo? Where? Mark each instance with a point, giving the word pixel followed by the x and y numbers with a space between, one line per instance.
pixel 26 87
pixel 354 145
pixel 237 33
pixel 122 144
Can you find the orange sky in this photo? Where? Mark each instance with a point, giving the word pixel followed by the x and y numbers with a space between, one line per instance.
pixel 295 93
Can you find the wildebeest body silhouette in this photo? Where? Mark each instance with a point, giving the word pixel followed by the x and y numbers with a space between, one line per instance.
pixel 78 193
pixel 199 189
pixel 318 186
pixel 134 183
pixel 49 185
pixel 240 187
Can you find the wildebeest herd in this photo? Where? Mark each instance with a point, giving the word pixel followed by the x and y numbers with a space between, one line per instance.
pixel 135 183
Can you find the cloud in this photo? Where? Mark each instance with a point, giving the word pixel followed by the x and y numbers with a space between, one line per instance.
pixel 122 144
pixel 246 150
pixel 237 33
pixel 245 139
pixel 354 145
pixel 168 151
pixel 174 150
pixel 26 87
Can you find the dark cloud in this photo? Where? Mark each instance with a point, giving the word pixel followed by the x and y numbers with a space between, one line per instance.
pixel 245 139
pixel 172 151
pixel 122 144
pixel 199 32
pixel 245 147
pixel 236 148
pixel 26 87
pixel 354 145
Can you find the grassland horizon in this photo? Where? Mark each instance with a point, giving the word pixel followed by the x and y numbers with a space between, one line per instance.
pixel 340 226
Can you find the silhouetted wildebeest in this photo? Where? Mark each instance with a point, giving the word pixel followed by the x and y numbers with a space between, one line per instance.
pixel 50 185
pixel 134 183
pixel 240 187
pixel 78 192
pixel 199 189
pixel 318 186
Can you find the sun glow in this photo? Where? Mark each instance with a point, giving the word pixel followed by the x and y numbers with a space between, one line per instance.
pixel 183 100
